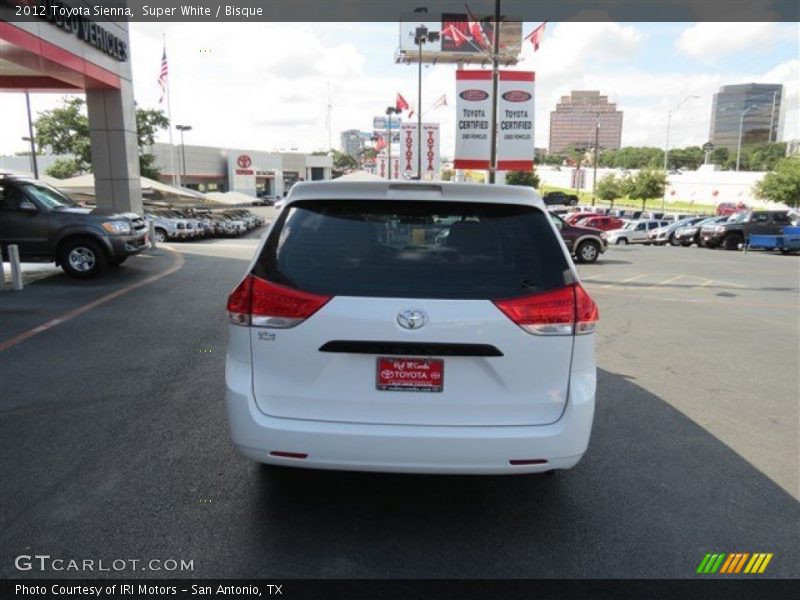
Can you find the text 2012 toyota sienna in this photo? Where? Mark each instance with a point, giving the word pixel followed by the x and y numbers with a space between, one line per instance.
pixel 412 327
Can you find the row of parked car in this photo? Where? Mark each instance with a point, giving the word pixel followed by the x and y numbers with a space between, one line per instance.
pixel 188 224
pixel 730 231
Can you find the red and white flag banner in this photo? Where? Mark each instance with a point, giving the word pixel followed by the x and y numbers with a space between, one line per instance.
pixel 473 119
pixel 515 144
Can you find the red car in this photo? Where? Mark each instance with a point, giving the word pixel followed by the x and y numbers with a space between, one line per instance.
pixel 600 222
pixel 729 208
pixel 577 216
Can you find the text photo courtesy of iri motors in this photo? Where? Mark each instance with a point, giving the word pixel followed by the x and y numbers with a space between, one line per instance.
pixel 399 299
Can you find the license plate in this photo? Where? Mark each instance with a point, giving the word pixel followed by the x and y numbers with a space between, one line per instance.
pixel 406 374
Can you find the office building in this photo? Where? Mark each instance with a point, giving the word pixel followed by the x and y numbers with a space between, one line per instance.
pixel 755 107
pixel 352 142
pixel 573 123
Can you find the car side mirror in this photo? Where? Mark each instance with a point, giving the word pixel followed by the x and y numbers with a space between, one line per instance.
pixel 28 207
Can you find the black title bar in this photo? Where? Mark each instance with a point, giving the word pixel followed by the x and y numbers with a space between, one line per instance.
pixel 392 10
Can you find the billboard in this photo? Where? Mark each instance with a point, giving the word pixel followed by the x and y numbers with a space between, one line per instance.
pixel 515 117
pixel 515 103
pixel 382 121
pixel 463 38
pixel 473 119
pixel 431 157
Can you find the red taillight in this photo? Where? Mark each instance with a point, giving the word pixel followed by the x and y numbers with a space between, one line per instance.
pixel 564 311
pixel 586 312
pixel 262 303
pixel 239 302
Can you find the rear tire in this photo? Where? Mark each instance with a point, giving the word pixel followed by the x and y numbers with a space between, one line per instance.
pixel 623 241
pixel 732 241
pixel 587 251
pixel 160 235
pixel 82 258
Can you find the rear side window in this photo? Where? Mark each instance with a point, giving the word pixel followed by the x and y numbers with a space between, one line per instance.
pixel 408 249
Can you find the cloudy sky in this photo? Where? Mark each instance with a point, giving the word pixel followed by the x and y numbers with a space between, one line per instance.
pixel 264 86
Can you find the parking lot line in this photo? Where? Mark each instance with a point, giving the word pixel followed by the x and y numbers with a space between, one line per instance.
pixel 176 265
pixel 628 280
pixel 665 282
pixel 794 307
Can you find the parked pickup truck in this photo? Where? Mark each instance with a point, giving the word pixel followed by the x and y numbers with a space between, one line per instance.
pixel 49 227
pixel 732 234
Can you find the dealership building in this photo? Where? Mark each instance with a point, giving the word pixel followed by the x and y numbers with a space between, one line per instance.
pixel 251 172
pixel 89 55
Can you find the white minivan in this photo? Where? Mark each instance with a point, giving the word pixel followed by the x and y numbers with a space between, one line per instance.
pixel 412 327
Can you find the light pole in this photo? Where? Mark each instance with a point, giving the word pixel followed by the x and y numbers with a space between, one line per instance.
pixel 772 119
pixel 495 79
pixel 183 128
pixel 741 129
pixel 666 146
pixel 421 36
pixel 390 110
pixel 34 166
pixel 596 143
pixel 30 136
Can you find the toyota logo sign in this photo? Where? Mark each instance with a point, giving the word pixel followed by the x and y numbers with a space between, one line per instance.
pixel 474 95
pixel 244 161
pixel 516 96
pixel 412 319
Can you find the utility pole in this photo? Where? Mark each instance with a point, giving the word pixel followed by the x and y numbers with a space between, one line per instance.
pixel 666 148
pixel 390 110
pixel 741 130
pixel 183 128
pixel 30 136
pixel 596 143
pixel 772 118
pixel 495 78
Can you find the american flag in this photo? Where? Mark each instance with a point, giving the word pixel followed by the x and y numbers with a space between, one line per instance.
pixel 162 78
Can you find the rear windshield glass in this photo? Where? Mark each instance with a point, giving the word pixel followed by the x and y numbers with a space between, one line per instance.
pixel 413 250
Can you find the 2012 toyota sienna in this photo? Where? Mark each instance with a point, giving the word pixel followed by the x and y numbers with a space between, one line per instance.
pixel 412 327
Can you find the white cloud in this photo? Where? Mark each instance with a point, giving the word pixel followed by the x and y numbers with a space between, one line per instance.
pixel 711 41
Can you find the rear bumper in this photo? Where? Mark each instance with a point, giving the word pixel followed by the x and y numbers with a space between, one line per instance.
pixel 406 448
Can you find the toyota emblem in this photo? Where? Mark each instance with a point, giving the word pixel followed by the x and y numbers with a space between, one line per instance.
pixel 244 161
pixel 412 319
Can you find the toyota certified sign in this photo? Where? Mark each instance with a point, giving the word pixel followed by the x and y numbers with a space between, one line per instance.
pixel 517 96
pixel 474 95
pixel 244 161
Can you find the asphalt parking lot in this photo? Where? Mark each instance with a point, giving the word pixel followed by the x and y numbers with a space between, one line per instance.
pixel 114 443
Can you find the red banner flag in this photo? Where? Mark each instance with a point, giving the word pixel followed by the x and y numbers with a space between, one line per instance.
pixel 536 36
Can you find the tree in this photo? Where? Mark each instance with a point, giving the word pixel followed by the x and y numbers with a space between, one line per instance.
pixel 719 156
pixel 342 161
pixel 64 168
pixel 648 184
pixel 65 130
pixel 609 188
pixel 148 122
pixel 765 157
pixel 783 184
pixel 528 178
